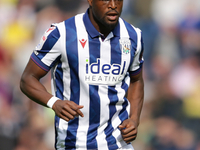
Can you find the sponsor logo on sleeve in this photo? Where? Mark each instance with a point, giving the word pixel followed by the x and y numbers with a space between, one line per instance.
pixel 44 38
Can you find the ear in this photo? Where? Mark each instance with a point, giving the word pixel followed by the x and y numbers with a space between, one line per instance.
pixel 90 2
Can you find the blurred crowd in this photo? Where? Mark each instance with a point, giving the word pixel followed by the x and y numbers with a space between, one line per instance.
pixel 171 30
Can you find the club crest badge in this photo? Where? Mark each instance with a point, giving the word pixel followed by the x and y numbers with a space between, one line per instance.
pixel 125 45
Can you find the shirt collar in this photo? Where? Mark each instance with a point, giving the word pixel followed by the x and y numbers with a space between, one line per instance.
pixel 92 30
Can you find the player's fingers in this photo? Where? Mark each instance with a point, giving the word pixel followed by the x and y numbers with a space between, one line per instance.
pixel 67 114
pixel 64 117
pixel 128 130
pixel 130 134
pixel 124 124
pixel 121 127
pixel 76 108
pixel 79 112
pixel 73 109
pixel 67 111
pixel 130 139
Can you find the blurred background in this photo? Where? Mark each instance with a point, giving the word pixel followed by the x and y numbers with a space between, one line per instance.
pixel 170 118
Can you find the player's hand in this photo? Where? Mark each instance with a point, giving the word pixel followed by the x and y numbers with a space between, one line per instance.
pixel 128 130
pixel 67 110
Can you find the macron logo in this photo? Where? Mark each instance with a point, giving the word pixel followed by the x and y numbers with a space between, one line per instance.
pixel 83 42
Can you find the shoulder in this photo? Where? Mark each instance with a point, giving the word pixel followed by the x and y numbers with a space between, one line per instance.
pixel 69 23
pixel 132 30
pixel 73 19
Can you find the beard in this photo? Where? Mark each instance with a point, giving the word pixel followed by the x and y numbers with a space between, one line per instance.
pixel 106 25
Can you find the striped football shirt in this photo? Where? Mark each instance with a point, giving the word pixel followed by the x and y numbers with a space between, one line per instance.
pixel 94 72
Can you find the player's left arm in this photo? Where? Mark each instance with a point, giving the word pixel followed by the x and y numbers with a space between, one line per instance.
pixel 135 95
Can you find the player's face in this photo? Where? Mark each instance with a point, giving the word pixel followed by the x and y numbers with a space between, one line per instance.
pixel 106 12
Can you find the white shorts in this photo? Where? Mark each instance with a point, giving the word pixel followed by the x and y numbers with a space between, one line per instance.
pixel 127 147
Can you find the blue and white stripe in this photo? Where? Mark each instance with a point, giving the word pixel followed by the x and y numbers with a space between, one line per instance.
pixel 105 105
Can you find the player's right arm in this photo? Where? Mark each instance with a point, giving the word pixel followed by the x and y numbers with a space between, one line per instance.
pixel 32 87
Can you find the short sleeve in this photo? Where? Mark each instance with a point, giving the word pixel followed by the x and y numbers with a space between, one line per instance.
pixel 47 52
pixel 138 60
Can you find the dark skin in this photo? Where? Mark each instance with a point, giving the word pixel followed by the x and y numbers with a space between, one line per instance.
pixel 31 86
pixel 104 15
pixel 135 95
